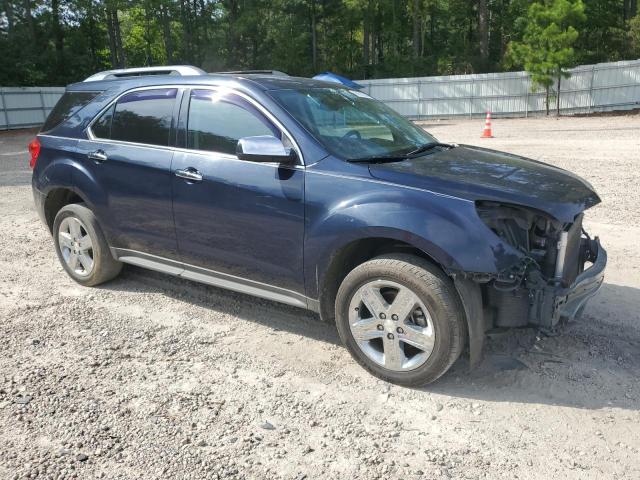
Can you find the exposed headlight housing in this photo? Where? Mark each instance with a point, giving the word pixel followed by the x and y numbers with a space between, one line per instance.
pixel 529 231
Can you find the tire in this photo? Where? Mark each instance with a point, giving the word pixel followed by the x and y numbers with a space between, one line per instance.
pixel 442 328
pixel 93 263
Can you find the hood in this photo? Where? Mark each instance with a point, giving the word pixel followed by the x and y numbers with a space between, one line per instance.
pixel 475 173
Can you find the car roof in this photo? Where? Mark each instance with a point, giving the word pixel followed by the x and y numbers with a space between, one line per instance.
pixel 249 81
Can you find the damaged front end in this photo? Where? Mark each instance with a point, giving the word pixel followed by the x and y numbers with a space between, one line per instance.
pixel 559 268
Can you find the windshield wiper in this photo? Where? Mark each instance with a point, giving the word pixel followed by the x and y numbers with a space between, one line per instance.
pixel 428 146
pixel 379 159
pixel 398 158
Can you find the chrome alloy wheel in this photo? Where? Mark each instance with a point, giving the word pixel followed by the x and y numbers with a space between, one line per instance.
pixel 391 325
pixel 76 246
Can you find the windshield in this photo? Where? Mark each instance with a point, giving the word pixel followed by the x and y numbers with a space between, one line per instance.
pixel 351 124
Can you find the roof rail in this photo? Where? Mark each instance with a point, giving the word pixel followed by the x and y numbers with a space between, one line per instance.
pixel 178 70
pixel 276 73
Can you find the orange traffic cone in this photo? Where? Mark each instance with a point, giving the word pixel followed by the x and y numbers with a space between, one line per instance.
pixel 487 127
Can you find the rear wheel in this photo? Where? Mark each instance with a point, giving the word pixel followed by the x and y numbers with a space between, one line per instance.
pixel 401 319
pixel 81 247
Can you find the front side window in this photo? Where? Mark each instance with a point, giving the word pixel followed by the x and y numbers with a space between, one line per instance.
pixel 218 120
pixel 140 117
pixel 351 124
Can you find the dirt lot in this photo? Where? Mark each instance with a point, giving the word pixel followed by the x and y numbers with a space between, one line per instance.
pixel 156 377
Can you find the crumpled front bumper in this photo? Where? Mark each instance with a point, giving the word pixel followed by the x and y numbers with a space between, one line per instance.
pixel 556 302
pixel 586 284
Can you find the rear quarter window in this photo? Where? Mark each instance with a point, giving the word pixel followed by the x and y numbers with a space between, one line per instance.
pixel 69 104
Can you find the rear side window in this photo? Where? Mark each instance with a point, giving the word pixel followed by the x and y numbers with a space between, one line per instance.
pixel 140 117
pixel 216 122
pixel 69 103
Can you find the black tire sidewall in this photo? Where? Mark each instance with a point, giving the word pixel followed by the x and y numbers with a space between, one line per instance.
pixel 102 257
pixel 441 301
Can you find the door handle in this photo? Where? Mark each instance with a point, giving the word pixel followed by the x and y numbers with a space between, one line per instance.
pixel 190 174
pixel 98 156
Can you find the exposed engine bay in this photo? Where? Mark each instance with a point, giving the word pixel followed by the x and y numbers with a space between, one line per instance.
pixel 535 290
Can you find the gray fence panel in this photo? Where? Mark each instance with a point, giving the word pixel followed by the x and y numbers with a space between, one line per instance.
pixel 26 107
pixel 601 87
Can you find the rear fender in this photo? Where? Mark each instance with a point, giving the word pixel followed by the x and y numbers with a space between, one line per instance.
pixel 69 173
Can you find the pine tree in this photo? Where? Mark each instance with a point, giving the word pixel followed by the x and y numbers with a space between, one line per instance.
pixel 546 50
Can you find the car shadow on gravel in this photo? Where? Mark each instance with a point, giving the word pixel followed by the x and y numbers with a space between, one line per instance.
pixel 275 315
pixel 590 363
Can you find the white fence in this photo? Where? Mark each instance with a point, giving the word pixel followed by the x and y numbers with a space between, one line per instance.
pixel 601 87
pixel 26 107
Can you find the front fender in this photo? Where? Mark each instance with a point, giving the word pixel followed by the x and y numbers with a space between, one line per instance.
pixel 445 228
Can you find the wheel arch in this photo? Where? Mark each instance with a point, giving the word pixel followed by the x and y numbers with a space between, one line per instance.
pixel 355 252
pixel 358 251
pixel 57 198
pixel 79 186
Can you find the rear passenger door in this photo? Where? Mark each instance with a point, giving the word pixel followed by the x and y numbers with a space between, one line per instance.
pixel 129 157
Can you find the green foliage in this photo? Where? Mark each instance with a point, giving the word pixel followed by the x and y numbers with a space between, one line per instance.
pixel 546 48
pixel 54 42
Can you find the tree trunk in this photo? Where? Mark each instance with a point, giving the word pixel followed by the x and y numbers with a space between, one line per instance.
pixel 483 32
pixel 547 98
pixel 626 11
pixel 232 35
pixel 116 23
pixel 416 28
pixel 366 42
pixel 378 48
pixel 558 94
pixel 314 37
pixel 113 48
pixel 147 35
pixel 58 36
pixel 30 22
pixel 186 31
pixel 166 33
pixel 92 40
pixel 197 44
pixel 205 26
pixel 432 27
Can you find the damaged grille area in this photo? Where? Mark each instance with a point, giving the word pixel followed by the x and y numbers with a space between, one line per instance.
pixel 553 255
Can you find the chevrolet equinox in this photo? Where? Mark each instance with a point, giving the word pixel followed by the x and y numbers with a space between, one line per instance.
pixel 319 196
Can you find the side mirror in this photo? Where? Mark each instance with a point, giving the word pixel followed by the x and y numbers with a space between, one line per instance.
pixel 265 148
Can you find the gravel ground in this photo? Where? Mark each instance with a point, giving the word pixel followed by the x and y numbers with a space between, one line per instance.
pixel 152 376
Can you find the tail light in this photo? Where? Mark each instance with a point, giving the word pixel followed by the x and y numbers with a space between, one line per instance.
pixel 34 150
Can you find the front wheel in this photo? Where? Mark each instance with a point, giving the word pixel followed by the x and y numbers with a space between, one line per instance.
pixel 401 319
pixel 81 247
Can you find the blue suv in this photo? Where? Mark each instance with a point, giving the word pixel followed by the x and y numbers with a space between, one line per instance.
pixel 315 195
